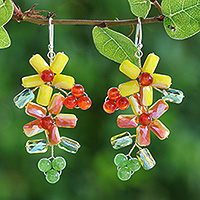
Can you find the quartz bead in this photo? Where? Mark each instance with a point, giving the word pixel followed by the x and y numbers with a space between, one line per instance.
pixel 36 146
pixel 70 102
pixel 133 164
pixel 52 176
pixel 122 103
pixel 32 81
pixel 35 110
pixel 150 63
pixel 63 81
pixel 146 79
pixel 47 123
pixel 113 93
pixel 129 88
pixel 53 135
pixel 59 163
pixel 120 160
pixel 146 159
pixel 161 81
pixel 66 120
pixel 172 95
pixel 145 119
pixel 56 103
pixel 44 165
pixel 127 121
pixel 124 174
pixel 135 104
pixel 69 145
pixel 77 90
pixel 84 102
pixel 47 75
pixel 146 95
pixel 121 140
pixel 23 98
pixel 143 135
pixel 109 106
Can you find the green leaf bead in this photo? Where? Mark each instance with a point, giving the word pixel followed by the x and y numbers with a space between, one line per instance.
pixel 124 174
pixel 44 165
pixel 120 160
pixel 59 163
pixel 52 176
pixel 133 164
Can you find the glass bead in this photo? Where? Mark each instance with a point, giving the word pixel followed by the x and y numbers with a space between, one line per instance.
pixel 71 102
pixel 109 106
pixel 121 140
pixel 32 81
pixel 127 121
pixel 36 146
pixel 146 159
pixel 159 129
pixel 129 88
pixel 66 120
pixel 35 110
pixel 84 103
pixel 59 163
pixel 172 95
pixel 143 135
pixel 44 95
pixel 69 145
pixel 124 174
pixel 146 79
pixel 52 176
pixel 133 164
pixel 47 75
pixel 53 135
pixel 150 63
pixel 146 95
pixel 77 90
pixel 145 119
pixel 158 109
pixel 47 123
pixel 135 104
pixel 161 81
pixel 122 103
pixel 120 160
pixel 33 128
pixel 23 98
pixel 63 81
pixel 129 69
pixel 113 93
pixel 38 63
pixel 56 103
pixel 59 63
pixel 44 165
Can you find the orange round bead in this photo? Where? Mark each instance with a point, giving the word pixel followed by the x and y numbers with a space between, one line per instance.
pixel 146 79
pixel 47 123
pixel 84 102
pixel 77 90
pixel 109 106
pixel 145 119
pixel 113 93
pixel 47 75
pixel 70 102
pixel 122 103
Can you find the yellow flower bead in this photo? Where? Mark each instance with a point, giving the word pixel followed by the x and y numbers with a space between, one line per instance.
pixel 147 95
pixel 44 95
pixel 32 81
pixel 161 81
pixel 135 105
pixel 63 81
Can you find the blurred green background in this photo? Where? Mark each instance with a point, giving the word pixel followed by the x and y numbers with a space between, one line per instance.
pixel 91 173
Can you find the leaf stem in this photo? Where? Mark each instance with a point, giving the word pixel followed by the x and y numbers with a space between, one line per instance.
pixel 157 5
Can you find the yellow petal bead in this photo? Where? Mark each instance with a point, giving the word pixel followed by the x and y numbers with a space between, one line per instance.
pixel 32 81
pixel 135 105
pixel 38 63
pixel 147 95
pixel 44 95
pixel 59 63
pixel 161 81
pixel 129 69
pixel 150 63
pixel 129 88
pixel 63 81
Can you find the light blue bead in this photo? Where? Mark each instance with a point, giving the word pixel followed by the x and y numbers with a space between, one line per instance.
pixel 23 98
pixel 36 146
pixel 172 95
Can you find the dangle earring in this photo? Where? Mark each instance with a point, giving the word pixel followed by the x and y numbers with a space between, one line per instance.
pixel 145 118
pixel 47 108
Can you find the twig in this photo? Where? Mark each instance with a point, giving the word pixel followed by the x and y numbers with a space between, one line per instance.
pixel 157 5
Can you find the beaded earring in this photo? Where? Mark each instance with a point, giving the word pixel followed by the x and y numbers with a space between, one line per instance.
pixel 145 116
pixel 47 109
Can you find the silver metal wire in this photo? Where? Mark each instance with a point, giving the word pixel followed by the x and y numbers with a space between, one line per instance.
pixel 51 53
pixel 138 39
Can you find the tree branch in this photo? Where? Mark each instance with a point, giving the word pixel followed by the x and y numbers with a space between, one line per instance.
pixel 101 23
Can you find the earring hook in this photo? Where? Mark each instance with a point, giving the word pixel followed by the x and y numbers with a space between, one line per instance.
pixel 51 53
pixel 138 39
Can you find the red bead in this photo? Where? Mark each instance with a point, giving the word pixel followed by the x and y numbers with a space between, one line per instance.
pixel 122 103
pixel 47 75
pixel 77 90
pixel 84 103
pixel 47 123
pixel 146 79
pixel 70 102
pixel 145 119
pixel 109 106
pixel 113 93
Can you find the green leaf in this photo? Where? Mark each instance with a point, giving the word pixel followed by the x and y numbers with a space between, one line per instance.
pixel 114 45
pixel 6 11
pixel 140 8
pixel 182 18
pixel 4 38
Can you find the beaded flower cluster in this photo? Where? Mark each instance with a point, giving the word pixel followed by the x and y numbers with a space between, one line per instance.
pixel 140 96
pixel 47 110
